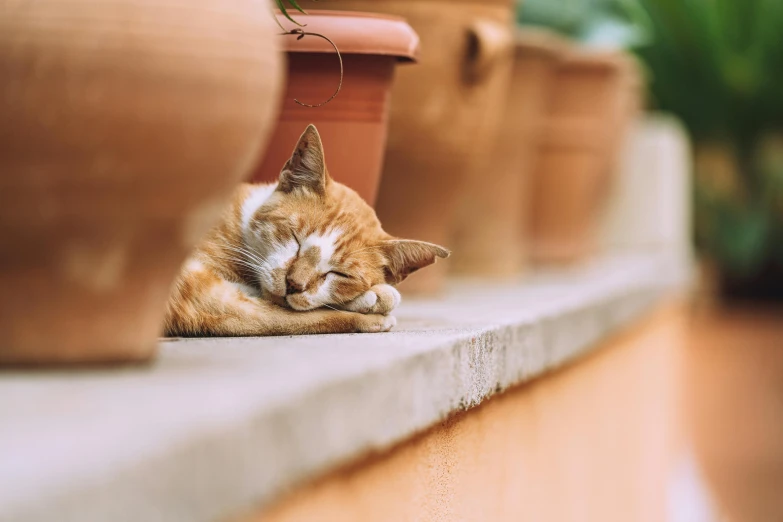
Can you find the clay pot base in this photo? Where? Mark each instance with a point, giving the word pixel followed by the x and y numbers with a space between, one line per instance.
pixel 89 294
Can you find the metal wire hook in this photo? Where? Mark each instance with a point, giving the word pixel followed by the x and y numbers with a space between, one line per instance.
pixel 301 33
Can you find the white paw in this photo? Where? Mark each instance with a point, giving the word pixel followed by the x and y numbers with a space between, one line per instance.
pixel 388 299
pixel 377 323
pixel 363 304
pixel 389 322
pixel 380 299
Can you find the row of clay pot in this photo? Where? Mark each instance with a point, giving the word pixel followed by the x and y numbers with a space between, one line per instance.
pixel 500 144
pixel 116 158
pixel 126 126
pixel 539 195
pixel 443 116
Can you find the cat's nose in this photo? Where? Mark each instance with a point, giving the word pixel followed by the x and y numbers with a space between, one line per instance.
pixel 293 287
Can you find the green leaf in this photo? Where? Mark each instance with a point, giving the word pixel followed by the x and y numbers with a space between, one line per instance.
pixel 778 246
pixel 564 16
pixel 296 6
pixel 741 238
pixel 281 6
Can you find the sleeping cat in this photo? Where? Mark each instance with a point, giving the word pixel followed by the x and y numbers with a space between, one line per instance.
pixel 305 255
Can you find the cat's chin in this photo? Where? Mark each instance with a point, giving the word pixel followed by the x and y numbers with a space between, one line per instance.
pixel 298 302
pixel 276 299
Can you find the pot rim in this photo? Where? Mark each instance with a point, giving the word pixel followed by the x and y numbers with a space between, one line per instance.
pixel 612 59
pixel 615 62
pixel 534 40
pixel 377 34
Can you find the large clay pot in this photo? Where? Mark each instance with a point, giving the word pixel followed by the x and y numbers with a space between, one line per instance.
pixel 353 126
pixel 124 127
pixel 444 115
pixel 492 229
pixel 588 116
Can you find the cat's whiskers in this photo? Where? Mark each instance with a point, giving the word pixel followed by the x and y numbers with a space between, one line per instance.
pixel 247 253
pixel 238 261
pixel 335 309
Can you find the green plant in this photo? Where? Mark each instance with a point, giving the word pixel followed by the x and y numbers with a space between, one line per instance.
pixel 281 4
pixel 595 23
pixel 717 65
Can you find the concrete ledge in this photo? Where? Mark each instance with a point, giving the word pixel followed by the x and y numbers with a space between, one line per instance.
pixel 219 426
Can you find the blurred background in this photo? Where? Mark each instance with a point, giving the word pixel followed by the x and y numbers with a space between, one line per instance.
pixel 540 140
pixel 715 65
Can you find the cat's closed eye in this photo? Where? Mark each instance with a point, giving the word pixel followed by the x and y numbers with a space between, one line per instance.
pixel 340 274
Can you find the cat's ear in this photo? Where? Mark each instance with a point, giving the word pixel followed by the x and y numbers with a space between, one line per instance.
pixel 403 257
pixel 306 168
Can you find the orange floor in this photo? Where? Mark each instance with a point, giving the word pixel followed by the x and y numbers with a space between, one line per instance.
pixel 733 407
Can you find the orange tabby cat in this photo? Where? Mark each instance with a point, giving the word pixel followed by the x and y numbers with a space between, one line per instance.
pixel 305 255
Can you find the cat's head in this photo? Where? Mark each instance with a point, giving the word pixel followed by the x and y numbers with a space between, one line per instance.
pixel 318 243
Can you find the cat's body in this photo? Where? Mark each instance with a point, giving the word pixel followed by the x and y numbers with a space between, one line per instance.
pixel 305 255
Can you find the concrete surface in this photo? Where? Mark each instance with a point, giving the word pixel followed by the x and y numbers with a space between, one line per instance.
pixel 594 442
pixel 218 426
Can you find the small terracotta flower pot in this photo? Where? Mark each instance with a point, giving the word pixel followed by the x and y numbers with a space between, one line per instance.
pixel 354 124
pixel 444 115
pixel 491 235
pixel 589 109
pixel 124 127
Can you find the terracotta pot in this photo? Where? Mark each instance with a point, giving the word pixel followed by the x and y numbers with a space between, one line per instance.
pixel 587 119
pixel 354 124
pixel 125 125
pixel 492 229
pixel 444 115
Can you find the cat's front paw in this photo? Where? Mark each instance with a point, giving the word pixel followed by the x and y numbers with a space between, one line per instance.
pixel 372 323
pixel 389 298
pixel 380 299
